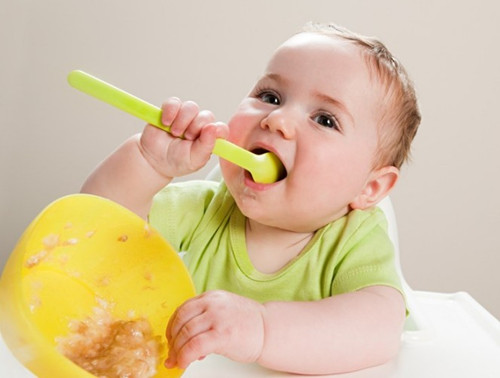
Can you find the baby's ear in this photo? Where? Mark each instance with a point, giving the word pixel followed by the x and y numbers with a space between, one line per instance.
pixel 379 184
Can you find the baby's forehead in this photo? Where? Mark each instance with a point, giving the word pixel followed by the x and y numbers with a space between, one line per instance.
pixel 313 41
pixel 333 47
pixel 318 48
pixel 351 50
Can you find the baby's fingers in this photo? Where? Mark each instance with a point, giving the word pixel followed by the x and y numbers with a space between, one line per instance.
pixel 196 348
pixel 186 324
pixel 182 315
pixel 169 110
pixel 202 119
pixel 190 329
pixel 187 113
pixel 204 145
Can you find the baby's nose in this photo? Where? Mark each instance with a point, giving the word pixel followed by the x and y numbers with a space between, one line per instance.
pixel 280 121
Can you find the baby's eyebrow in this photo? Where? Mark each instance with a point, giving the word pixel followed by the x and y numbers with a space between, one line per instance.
pixel 275 77
pixel 338 104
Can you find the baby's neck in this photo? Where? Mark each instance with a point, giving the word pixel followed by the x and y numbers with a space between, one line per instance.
pixel 270 248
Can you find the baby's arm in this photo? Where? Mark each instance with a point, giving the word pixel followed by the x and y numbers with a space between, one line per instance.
pixel 339 334
pixel 343 333
pixel 145 163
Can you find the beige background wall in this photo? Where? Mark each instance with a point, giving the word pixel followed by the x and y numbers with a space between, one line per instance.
pixel 51 136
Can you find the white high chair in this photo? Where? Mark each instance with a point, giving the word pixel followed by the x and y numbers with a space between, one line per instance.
pixel 445 336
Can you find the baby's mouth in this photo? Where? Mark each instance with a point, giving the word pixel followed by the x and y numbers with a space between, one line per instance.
pixel 261 151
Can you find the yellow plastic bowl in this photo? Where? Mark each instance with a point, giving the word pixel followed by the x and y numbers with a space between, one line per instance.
pixel 81 248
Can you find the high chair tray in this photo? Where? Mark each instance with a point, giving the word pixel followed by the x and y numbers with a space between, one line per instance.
pixel 459 339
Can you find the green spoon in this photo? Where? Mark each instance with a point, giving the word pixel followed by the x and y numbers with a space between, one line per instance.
pixel 265 168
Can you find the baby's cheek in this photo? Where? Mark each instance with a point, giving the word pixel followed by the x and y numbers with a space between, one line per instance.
pixel 241 124
pixel 237 130
pixel 228 170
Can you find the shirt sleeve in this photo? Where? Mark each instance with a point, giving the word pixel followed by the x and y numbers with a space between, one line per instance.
pixel 178 209
pixel 367 256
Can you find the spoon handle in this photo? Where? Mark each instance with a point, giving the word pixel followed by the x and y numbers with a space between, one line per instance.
pixel 147 112
pixel 114 96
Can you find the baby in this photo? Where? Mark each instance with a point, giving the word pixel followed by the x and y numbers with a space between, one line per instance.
pixel 296 275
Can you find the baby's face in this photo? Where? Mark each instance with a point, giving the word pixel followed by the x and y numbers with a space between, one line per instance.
pixel 315 107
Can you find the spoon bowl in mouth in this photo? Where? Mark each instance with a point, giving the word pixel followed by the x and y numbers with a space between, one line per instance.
pixel 263 175
pixel 265 169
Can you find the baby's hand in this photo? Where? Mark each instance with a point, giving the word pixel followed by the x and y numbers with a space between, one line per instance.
pixel 215 322
pixel 190 143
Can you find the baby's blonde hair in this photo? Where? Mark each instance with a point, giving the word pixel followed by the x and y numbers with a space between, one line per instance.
pixel 400 114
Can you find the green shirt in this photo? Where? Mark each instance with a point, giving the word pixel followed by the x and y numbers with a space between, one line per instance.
pixel 202 219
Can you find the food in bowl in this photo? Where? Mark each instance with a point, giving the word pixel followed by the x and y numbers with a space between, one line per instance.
pixel 109 348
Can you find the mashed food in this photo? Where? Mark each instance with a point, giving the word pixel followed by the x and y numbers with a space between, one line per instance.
pixel 107 347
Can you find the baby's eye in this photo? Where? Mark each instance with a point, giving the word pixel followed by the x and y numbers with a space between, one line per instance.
pixel 269 97
pixel 326 120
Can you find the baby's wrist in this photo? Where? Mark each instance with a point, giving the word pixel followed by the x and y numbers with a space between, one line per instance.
pixel 261 349
pixel 151 175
